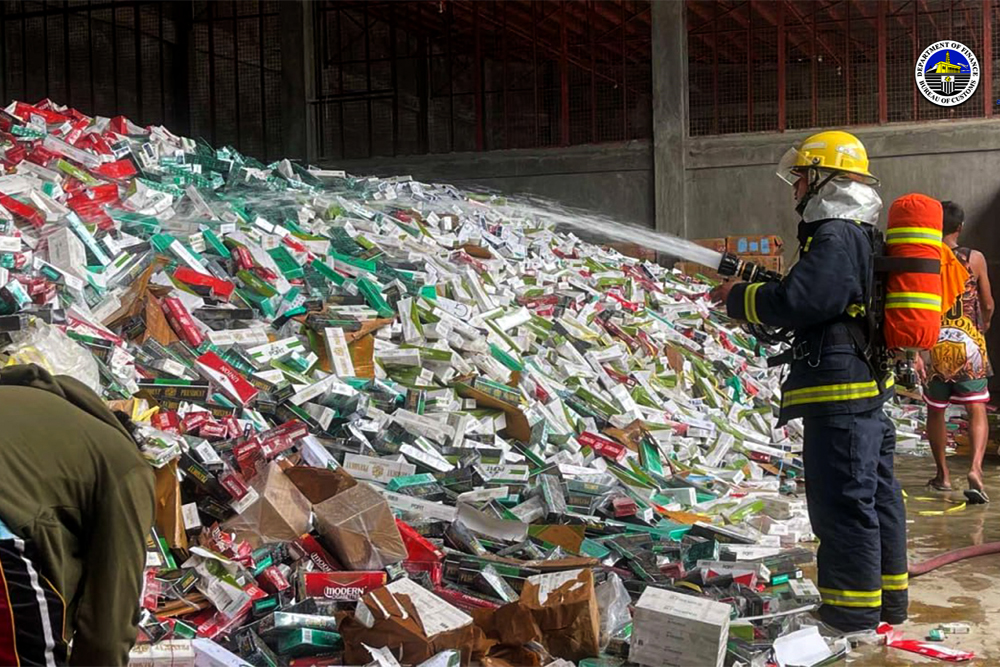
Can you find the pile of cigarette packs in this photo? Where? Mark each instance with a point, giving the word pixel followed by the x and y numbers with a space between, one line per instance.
pixel 399 423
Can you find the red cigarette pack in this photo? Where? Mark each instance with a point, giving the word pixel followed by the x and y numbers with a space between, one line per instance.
pixel 609 449
pixel 228 378
pixel 344 586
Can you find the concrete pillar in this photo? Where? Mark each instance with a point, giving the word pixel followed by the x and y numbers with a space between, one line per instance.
pixel 296 78
pixel 670 117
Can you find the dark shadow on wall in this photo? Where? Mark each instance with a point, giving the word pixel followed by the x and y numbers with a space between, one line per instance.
pixel 983 234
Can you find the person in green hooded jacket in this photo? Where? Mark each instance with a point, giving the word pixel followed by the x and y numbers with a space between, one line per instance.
pixel 76 506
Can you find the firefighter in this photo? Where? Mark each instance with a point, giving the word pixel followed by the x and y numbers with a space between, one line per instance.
pixel 855 503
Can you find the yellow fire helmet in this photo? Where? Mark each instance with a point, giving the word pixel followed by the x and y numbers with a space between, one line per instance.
pixel 833 150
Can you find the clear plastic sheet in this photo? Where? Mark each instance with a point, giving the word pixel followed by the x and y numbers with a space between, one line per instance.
pixel 56 352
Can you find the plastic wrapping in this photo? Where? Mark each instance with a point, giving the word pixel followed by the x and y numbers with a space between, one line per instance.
pixel 613 602
pixel 280 514
pixel 359 527
pixel 54 351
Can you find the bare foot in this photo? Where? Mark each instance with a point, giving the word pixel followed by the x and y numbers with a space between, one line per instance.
pixel 940 483
pixel 976 494
pixel 975 480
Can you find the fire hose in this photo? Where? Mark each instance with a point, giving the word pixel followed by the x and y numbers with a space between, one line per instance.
pixel 922 568
pixel 735 266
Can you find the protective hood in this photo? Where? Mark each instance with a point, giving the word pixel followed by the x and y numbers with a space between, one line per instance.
pixel 844 198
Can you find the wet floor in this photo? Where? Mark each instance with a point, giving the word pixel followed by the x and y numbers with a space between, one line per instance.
pixel 968 591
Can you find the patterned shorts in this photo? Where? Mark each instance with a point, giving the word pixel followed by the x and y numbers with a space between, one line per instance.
pixel 939 393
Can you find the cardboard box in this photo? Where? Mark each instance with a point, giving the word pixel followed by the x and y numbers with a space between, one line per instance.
pixel 359 528
pixel 557 609
pixel 449 658
pixel 169 519
pixel 320 484
pixel 564 604
pixel 771 262
pixel 410 621
pixel 675 630
pixel 717 244
pixel 694 269
pixel 280 514
pixel 750 244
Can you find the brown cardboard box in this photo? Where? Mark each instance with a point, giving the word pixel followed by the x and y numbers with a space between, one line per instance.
pixel 560 608
pixel 363 356
pixel 568 537
pixel 754 244
pixel 517 424
pixel 358 527
pixel 717 244
pixel 319 484
pixel 280 514
pixel 772 262
pixel 411 622
pixel 693 269
pixel 169 520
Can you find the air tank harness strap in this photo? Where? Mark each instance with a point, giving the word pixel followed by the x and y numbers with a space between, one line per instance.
pixel 846 330
pixel 886 264
pixel 866 352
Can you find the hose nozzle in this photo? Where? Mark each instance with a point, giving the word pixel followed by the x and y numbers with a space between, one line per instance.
pixel 733 265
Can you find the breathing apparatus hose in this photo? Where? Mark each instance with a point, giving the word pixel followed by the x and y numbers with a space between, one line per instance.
pixel 931 564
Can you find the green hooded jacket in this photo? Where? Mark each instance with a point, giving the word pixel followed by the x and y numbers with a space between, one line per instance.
pixel 74 484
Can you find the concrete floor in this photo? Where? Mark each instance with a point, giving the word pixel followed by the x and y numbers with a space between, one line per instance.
pixel 968 591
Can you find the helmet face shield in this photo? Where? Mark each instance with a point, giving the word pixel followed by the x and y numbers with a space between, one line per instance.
pixel 787 165
pixel 831 150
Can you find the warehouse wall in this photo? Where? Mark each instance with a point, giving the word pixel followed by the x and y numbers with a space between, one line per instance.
pixel 708 186
pixel 732 188
pixel 613 179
